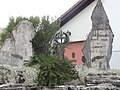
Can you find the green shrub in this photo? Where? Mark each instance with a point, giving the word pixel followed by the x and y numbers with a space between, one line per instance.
pixel 52 70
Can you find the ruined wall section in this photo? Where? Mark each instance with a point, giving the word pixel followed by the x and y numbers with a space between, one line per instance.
pixel 17 46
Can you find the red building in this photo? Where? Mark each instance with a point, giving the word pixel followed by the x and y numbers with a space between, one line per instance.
pixel 73 51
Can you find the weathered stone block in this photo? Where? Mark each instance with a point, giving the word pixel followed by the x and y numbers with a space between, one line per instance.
pixel 98 46
pixel 17 46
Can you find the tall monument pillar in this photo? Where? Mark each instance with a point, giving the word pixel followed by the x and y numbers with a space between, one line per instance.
pixel 98 46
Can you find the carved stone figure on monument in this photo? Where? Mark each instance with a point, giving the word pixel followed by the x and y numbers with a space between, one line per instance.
pixel 98 46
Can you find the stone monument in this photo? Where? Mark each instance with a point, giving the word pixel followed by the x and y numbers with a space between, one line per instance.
pixel 17 46
pixel 98 46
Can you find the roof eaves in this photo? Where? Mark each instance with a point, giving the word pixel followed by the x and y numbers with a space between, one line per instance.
pixel 73 11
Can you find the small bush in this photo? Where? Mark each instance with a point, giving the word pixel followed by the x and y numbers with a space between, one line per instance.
pixel 52 70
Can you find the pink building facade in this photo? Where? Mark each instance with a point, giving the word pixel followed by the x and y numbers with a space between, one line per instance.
pixel 73 51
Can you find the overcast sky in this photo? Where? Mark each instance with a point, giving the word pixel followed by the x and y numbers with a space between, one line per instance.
pixel 28 8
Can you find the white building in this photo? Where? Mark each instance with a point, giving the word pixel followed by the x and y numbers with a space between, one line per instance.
pixel 77 20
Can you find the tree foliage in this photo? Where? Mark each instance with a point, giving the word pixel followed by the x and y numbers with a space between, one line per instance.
pixel 44 35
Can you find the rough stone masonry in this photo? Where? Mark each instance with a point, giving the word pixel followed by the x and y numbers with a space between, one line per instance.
pixel 98 46
pixel 17 46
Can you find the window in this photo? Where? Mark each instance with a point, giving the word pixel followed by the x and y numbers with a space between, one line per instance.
pixel 73 55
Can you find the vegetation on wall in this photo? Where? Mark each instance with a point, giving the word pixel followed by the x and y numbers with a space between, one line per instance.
pixel 13 22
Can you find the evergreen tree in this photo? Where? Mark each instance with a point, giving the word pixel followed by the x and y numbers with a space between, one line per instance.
pixel 44 35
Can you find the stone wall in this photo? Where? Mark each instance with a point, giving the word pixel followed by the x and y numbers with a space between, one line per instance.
pixel 29 87
pixel 110 78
